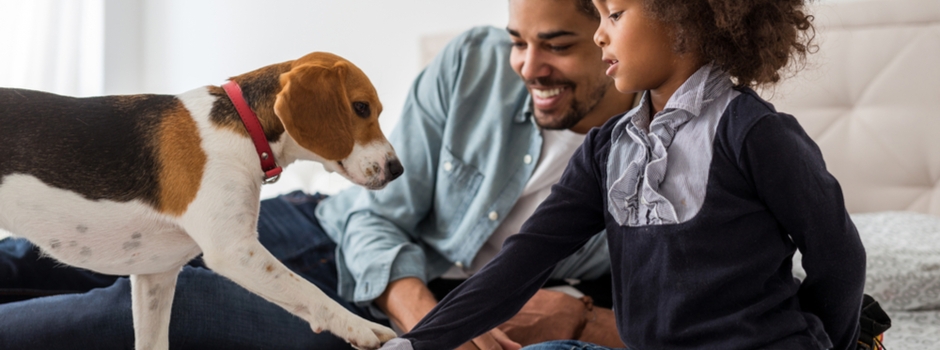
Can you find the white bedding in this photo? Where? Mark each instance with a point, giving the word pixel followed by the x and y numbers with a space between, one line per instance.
pixel 913 330
pixel 903 274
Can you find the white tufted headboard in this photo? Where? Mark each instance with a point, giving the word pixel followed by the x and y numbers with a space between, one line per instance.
pixel 871 99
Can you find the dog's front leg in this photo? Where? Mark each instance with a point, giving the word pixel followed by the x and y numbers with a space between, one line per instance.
pixel 223 220
pixel 151 301
pixel 250 265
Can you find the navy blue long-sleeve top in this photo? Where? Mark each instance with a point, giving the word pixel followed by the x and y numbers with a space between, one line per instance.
pixel 720 279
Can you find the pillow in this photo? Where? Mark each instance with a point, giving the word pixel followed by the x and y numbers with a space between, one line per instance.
pixel 903 249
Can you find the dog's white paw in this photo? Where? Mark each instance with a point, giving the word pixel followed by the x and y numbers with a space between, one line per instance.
pixel 359 333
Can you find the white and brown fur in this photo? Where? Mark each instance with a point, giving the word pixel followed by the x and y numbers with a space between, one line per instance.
pixel 140 184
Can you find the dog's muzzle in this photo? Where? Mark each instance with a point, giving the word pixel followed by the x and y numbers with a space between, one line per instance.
pixel 393 169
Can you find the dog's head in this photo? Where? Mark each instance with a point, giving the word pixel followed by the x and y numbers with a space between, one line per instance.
pixel 330 108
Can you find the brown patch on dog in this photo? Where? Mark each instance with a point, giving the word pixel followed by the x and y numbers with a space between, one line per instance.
pixel 359 88
pixel 269 268
pixel 314 108
pixel 181 161
pixel 315 105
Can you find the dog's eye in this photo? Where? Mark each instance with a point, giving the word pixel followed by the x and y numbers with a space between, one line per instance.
pixel 362 109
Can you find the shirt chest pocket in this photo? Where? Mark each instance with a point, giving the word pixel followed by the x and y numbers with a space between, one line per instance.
pixel 457 185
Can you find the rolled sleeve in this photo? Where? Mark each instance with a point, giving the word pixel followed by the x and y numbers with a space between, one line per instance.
pixel 374 257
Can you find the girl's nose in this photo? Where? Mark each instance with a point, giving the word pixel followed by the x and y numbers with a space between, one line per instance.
pixel 600 36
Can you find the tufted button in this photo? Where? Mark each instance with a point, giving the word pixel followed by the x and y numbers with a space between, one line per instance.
pixel 448 166
pixel 459 264
pixel 527 159
pixel 494 215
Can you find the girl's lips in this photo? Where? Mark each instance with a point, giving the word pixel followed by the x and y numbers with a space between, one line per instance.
pixel 612 68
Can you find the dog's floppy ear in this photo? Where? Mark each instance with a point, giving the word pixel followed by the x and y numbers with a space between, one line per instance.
pixel 315 110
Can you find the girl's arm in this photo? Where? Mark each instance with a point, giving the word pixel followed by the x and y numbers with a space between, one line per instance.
pixel 790 177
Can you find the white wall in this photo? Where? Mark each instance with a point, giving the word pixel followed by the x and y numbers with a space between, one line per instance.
pixel 175 45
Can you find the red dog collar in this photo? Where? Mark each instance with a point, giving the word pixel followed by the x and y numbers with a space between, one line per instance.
pixel 272 172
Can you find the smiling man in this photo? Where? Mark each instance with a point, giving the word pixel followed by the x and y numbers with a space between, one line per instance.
pixel 481 149
pixel 564 77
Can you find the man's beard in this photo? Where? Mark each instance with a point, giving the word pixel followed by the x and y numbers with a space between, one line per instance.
pixel 576 111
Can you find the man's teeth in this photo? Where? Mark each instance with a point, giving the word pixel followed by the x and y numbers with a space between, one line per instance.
pixel 547 93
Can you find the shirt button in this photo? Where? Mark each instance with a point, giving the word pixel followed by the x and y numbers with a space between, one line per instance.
pixel 494 215
pixel 448 166
pixel 527 159
pixel 459 264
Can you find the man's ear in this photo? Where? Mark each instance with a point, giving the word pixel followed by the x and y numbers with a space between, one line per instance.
pixel 315 110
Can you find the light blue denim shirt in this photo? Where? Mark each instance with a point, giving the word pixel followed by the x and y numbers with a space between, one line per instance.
pixel 463 136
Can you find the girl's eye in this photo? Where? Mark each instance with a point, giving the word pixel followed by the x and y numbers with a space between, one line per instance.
pixel 615 16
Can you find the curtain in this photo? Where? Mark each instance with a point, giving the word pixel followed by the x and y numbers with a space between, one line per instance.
pixel 52 45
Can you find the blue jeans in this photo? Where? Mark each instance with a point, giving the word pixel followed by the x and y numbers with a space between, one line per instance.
pixel 49 306
pixel 565 345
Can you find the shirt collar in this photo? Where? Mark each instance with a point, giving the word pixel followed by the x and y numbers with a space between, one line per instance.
pixel 526 112
pixel 707 83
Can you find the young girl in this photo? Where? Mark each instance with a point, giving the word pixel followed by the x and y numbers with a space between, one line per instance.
pixel 705 191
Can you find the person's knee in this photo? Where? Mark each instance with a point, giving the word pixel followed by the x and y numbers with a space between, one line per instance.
pixel 99 319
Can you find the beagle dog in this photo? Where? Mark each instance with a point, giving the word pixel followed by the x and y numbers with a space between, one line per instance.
pixel 141 184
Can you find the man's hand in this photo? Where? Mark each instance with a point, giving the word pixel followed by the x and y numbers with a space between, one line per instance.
pixel 549 315
pixel 552 315
pixel 408 300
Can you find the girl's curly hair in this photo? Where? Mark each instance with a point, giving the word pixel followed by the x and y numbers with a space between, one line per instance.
pixel 754 40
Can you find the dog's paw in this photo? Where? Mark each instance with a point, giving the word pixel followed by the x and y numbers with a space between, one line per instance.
pixel 383 333
pixel 361 334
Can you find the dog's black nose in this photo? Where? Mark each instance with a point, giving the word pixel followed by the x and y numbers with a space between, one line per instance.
pixel 394 169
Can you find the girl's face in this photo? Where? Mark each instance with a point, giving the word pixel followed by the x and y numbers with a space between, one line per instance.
pixel 637 48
